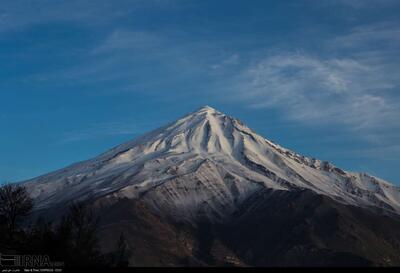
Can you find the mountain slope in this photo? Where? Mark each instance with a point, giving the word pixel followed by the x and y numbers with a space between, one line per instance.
pixel 206 163
pixel 301 228
pixel 272 228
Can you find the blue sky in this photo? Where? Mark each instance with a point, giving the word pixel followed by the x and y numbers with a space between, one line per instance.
pixel 319 77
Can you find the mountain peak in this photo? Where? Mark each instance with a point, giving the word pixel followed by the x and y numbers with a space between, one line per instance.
pixel 207 108
pixel 207 145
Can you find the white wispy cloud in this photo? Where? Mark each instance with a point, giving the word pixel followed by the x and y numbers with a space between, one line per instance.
pixel 382 34
pixel 353 80
pixel 312 89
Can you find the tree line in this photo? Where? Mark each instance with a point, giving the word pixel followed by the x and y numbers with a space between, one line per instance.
pixel 72 240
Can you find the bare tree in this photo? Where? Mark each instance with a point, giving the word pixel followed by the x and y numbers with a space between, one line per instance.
pixel 14 203
pixel 78 232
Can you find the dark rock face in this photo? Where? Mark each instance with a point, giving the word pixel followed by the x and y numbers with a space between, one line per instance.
pixel 272 228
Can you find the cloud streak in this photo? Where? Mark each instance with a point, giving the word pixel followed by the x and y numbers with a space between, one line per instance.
pixel 353 81
pixel 19 14
pixel 311 89
pixel 383 35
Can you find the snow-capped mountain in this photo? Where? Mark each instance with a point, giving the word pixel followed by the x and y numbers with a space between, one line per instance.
pixel 207 190
pixel 206 164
